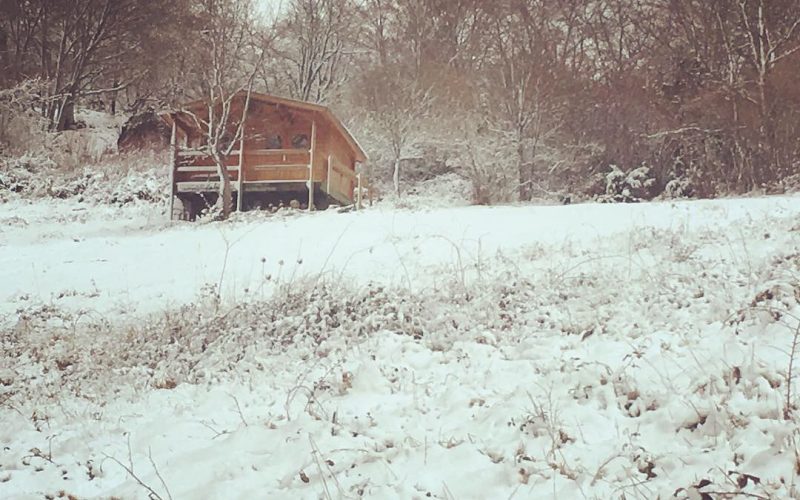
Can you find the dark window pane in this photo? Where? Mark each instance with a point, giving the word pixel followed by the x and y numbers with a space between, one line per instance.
pixel 300 141
pixel 274 142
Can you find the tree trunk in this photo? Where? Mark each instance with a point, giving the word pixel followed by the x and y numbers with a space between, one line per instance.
pixel 524 181
pixel 396 175
pixel 531 168
pixel 66 115
pixel 225 191
pixel 762 163
pixel 114 96
pixel 227 197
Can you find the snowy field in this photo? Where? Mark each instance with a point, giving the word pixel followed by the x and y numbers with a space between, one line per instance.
pixel 583 351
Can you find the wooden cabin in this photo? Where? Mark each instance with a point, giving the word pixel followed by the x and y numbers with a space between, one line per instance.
pixel 291 153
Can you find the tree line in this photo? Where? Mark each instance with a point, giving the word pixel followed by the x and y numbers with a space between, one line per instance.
pixel 522 97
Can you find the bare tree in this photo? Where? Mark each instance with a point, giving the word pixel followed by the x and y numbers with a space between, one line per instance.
pixel 398 108
pixel 524 78
pixel 80 48
pixel 313 43
pixel 380 21
pixel 723 68
pixel 442 34
pixel 772 31
pixel 231 55
pixel 485 158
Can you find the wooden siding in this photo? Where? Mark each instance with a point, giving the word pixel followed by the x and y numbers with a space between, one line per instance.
pixel 270 154
pixel 275 165
pixel 336 150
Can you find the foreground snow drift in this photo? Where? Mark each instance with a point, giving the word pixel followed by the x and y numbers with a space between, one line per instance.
pixel 583 351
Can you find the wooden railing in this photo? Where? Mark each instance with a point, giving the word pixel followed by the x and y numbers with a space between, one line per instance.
pixel 272 158
pixel 277 165
pixel 196 170
pixel 196 166
pixel 200 158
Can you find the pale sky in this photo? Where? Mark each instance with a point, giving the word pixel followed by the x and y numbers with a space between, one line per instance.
pixel 270 7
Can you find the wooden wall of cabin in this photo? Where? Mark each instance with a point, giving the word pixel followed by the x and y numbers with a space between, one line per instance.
pixel 275 127
pixel 194 136
pixel 332 144
pixel 267 122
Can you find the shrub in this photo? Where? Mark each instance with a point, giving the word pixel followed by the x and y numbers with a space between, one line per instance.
pixel 628 187
pixel 22 129
pixel 25 174
pixel 117 180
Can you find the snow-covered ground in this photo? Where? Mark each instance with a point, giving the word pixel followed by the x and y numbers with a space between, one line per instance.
pixel 585 351
pixel 126 260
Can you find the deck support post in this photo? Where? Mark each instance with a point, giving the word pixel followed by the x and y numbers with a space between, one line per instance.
pixel 311 165
pixel 173 165
pixel 240 176
pixel 369 183
pixel 330 171
pixel 358 194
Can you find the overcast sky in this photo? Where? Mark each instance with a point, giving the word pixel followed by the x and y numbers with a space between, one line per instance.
pixel 270 7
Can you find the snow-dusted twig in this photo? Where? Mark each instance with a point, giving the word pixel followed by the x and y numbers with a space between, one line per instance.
pixel 333 249
pixel 602 466
pixel 239 410
pixel 158 473
pixel 316 454
pixel 228 245
pixel 461 268
pixel 448 494
pixel 787 412
pixel 216 432
pixel 152 494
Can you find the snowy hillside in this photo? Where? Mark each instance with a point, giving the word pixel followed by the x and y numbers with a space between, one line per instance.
pixel 584 351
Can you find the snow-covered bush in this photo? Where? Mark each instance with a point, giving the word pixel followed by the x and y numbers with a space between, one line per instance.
pixel 22 128
pixel 628 187
pixel 150 185
pixel 486 160
pixel 678 188
pixel 116 179
pixel 101 188
pixel 681 179
pixel 82 163
pixel 791 184
pixel 25 174
pixel 196 341
pixel 445 190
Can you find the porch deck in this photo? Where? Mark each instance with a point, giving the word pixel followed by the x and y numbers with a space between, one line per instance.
pixel 267 171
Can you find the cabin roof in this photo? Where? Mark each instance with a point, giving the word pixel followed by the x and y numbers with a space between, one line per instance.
pixel 307 106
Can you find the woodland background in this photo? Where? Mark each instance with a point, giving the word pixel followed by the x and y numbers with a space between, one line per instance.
pixel 617 100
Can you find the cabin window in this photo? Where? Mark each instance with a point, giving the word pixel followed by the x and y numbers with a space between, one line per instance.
pixel 273 141
pixel 300 141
